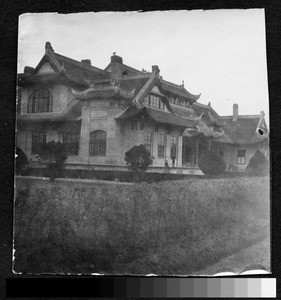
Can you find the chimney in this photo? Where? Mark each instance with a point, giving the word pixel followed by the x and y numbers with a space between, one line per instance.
pixel 235 112
pixel 155 70
pixel 28 70
pixel 48 47
pixel 116 67
pixel 86 62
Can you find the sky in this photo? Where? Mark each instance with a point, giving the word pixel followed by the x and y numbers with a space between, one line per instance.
pixel 218 53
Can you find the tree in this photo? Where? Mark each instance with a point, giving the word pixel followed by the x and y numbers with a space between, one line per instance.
pixel 21 161
pixel 212 163
pixel 139 159
pixel 258 165
pixel 54 155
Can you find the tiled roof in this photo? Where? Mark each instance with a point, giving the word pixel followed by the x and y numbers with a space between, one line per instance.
pixel 242 131
pixel 178 90
pixel 201 108
pixel 101 91
pixel 129 83
pixel 160 116
pixel 81 70
pixel 182 111
pixel 70 113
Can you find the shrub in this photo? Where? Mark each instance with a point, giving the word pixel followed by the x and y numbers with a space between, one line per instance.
pixel 212 163
pixel 139 159
pixel 258 165
pixel 54 155
pixel 21 161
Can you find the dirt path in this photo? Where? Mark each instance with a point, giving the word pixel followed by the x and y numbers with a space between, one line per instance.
pixel 251 258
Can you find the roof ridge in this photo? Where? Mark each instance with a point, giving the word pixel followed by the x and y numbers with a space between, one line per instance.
pixel 202 105
pixel 171 83
pixel 135 76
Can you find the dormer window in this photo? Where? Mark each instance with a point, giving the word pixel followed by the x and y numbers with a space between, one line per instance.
pixel 40 101
pixel 154 101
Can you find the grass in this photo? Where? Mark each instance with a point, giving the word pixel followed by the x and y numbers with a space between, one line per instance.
pixel 175 227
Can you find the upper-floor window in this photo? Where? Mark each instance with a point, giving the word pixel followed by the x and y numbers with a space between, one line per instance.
pixel 161 145
pixel 154 101
pixel 148 141
pixel 98 143
pixel 40 101
pixel 241 154
pixel 70 141
pixel 37 139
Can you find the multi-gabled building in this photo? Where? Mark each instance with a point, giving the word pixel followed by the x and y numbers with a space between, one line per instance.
pixel 100 114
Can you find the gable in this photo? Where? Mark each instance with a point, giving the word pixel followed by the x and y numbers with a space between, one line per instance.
pixel 155 90
pixel 46 68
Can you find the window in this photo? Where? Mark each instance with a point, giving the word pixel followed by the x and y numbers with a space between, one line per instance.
pixel 146 100
pixel 99 102
pixel 40 101
pixel 241 156
pixel 98 143
pixel 154 101
pixel 148 141
pixel 172 100
pixel 161 145
pixel 134 125
pixel 37 139
pixel 141 125
pixel 173 146
pixel 70 141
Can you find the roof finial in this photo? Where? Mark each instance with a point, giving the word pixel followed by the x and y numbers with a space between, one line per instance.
pixel 114 53
pixel 182 83
pixel 48 47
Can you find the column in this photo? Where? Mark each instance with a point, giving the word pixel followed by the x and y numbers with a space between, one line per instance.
pixel 168 149
pixel 85 132
pixel 179 152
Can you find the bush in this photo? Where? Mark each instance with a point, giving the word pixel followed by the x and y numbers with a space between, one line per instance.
pixel 212 163
pixel 258 165
pixel 21 162
pixel 54 155
pixel 139 159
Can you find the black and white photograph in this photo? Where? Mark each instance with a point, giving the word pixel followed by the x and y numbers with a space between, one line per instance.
pixel 142 144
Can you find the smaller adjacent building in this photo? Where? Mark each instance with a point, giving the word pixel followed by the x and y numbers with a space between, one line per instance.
pixel 100 114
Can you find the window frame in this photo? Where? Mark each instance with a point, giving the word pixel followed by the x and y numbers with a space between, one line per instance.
pixel 161 145
pixel 173 146
pixel 68 146
pixel 97 143
pixel 148 141
pixel 42 139
pixel 241 157
pixel 40 101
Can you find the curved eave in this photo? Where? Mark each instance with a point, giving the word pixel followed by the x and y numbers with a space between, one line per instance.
pixel 103 92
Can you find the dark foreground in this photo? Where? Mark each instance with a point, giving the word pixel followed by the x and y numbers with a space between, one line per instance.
pixel 176 227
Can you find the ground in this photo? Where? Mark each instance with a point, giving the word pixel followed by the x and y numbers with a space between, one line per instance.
pixel 256 257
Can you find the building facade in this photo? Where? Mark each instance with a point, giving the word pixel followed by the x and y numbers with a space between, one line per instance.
pixel 100 114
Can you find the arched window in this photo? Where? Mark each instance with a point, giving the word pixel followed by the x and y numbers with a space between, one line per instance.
pixel 40 101
pixel 98 143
